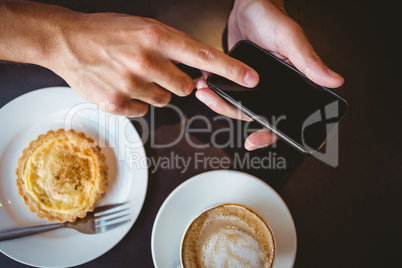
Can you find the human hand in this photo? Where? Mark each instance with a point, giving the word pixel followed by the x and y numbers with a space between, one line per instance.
pixel 128 62
pixel 267 24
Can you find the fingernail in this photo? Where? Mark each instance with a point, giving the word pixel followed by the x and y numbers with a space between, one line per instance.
pixel 249 145
pixel 201 83
pixel 205 99
pixel 332 73
pixel 251 78
pixel 204 73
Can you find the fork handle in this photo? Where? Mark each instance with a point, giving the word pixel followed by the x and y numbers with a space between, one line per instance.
pixel 26 231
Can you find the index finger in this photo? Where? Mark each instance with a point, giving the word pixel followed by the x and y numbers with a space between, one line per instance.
pixel 195 54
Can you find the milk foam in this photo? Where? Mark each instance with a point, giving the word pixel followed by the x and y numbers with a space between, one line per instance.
pixel 228 236
pixel 232 248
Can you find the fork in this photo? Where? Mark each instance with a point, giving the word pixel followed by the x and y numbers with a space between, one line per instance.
pixel 100 220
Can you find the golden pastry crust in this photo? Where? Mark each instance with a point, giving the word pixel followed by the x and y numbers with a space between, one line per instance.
pixel 61 175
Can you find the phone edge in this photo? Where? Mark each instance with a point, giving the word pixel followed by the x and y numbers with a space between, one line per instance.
pixel 286 138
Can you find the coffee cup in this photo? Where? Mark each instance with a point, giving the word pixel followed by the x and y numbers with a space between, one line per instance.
pixel 228 235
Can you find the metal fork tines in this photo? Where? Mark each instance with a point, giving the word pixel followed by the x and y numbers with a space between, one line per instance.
pixel 100 220
pixel 107 217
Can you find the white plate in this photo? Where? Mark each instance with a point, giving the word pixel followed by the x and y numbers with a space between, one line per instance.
pixel 215 187
pixel 34 113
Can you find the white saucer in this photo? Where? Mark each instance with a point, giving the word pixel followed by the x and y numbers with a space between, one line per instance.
pixel 215 187
pixel 34 113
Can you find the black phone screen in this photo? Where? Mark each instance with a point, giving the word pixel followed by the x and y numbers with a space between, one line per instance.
pixel 285 100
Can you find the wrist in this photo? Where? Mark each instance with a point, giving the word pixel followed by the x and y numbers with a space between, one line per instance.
pixel 237 21
pixel 32 32
pixel 242 9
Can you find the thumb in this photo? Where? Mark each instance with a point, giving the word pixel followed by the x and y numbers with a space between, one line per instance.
pixel 302 55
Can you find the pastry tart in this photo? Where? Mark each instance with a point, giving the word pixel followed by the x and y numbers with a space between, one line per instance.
pixel 61 175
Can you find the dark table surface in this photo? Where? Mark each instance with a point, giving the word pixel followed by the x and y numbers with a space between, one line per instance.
pixel 348 216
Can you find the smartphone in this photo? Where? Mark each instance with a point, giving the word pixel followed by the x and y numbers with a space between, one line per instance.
pixel 285 101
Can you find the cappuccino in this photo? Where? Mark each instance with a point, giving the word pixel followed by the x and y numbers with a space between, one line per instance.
pixel 228 235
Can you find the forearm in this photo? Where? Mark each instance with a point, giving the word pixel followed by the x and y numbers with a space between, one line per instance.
pixel 31 32
pixel 124 62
